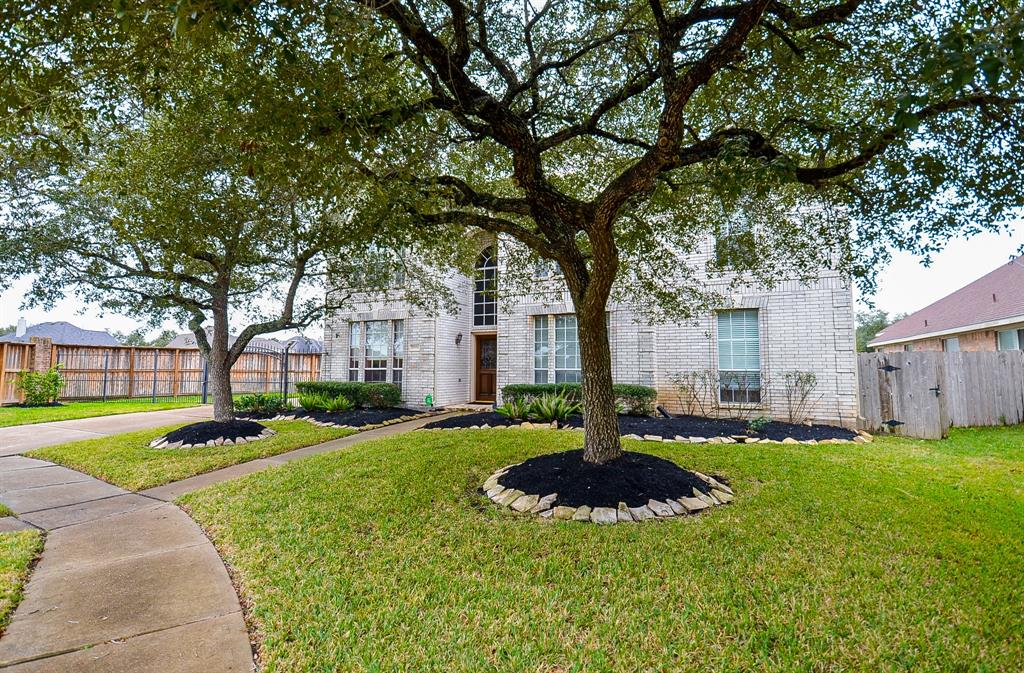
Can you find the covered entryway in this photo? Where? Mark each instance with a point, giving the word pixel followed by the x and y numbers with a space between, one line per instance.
pixel 485 384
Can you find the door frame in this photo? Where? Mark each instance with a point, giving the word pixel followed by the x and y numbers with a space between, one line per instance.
pixel 475 363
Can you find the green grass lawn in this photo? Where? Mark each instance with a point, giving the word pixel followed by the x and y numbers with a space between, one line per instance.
pixel 17 551
pixel 128 461
pixel 71 410
pixel 891 556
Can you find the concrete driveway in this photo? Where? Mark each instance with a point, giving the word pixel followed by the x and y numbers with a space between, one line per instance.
pixel 20 438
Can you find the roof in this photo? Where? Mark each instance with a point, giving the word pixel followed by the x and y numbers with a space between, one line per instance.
pixel 300 344
pixel 995 298
pixel 61 332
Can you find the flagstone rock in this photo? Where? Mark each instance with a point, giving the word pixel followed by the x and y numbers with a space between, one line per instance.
pixel 652 438
pixel 660 508
pixel 676 507
pixel 604 515
pixel 525 503
pixel 582 514
pixel 641 513
pixel 624 513
pixel 722 495
pixel 545 503
pixel 562 512
pixel 698 440
pixel 693 505
pixel 509 496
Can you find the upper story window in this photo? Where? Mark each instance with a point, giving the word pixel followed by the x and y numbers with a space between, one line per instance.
pixel 739 357
pixel 485 286
pixel 735 244
pixel 376 368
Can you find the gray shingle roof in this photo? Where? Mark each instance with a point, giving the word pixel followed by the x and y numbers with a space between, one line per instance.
pixel 996 296
pixel 61 332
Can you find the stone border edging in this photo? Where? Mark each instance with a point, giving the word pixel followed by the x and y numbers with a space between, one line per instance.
pixel 862 437
pixel 161 442
pixel 357 428
pixel 525 503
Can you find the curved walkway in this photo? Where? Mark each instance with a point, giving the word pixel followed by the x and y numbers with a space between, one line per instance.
pixel 127 581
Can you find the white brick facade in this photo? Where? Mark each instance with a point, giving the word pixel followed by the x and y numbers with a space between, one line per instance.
pixel 806 327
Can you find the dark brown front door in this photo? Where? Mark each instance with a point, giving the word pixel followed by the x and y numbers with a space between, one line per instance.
pixel 486 367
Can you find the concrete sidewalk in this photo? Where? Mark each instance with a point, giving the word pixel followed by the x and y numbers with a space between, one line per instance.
pixel 20 438
pixel 125 583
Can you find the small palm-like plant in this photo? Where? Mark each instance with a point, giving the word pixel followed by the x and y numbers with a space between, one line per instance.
pixel 339 404
pixel 515 409
pixel 313 402
pixel 548 408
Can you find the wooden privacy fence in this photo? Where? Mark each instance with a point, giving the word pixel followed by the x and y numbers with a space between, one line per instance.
pixel 923 394
pixel 126 372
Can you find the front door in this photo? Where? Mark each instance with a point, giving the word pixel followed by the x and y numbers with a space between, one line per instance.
pixel 486 367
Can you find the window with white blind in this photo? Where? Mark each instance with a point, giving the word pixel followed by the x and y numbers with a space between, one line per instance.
pixel 567 350
pixel 739 357
pixel 541 348
pixel 355 344
pixel 376 369
pixel 397 352
pixel 951 345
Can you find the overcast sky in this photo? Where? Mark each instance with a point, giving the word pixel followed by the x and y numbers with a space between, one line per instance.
pixel 904 286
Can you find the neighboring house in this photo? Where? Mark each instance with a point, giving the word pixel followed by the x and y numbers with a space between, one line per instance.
pixel 299 343
pixel 987 315
pixel 494 340
pixel 60 333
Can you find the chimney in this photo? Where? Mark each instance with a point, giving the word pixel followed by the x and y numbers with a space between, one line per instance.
pixel 22 327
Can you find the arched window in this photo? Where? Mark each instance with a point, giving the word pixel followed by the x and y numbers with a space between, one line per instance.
pixel 485 287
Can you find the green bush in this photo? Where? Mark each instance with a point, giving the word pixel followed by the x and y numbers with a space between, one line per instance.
pixel 547 408
pixel 339 404
pixel 40 387
pixel 756 425
pixel 314 401
pixel 381 395
pixel 261 403
pixel 360 394
pixel 635 400
pixel 517 409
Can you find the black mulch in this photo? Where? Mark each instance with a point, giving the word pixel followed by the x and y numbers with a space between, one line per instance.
pixel 356 418
pixel 200 433
pixel 24 405
pixel 686 426
pixel 632 478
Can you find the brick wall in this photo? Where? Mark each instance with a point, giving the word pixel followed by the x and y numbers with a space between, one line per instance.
pixel 977 341
pixel 807 327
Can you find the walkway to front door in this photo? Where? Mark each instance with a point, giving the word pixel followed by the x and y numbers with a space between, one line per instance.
pixel 486 367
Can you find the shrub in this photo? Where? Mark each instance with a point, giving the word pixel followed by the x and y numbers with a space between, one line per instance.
pixel 636 400
pixel 360 394
pixel 758 424
pixel 40 387
pixel 339 404
pixel 799 387
pixel 381 395
pixel 517 409
pixel 547 408
pixel 261 403
pixel 314 401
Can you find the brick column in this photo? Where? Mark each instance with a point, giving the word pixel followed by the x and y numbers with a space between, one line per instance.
pixel 41 353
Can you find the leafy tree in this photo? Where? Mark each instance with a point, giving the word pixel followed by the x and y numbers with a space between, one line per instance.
pixel 616 139
pixel 179 210
pixel 138 337
pixel 870 323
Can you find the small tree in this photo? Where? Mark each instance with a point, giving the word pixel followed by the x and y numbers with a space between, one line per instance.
pixel 182 212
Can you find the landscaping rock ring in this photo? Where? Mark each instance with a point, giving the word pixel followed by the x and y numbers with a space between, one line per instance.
pixel 213 433
pixel 633 487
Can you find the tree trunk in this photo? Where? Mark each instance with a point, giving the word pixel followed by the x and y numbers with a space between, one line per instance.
pixel 220 363
pixel 601 424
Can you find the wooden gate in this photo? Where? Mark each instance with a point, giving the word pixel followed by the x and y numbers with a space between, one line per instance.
pixel 903 393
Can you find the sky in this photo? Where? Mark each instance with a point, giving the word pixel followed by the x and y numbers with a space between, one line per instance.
pixel 904 286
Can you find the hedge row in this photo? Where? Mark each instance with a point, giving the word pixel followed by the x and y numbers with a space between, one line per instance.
pixel 637 400
pixel 361 394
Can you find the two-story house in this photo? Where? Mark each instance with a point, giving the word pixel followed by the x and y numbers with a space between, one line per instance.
pixel 496 338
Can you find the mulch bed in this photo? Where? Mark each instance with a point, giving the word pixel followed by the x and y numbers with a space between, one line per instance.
pixel 356 418
pixel 200 433
pixel 632 478
pixel 686 426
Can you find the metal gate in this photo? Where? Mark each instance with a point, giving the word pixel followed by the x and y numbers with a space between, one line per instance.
pixel 902 393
